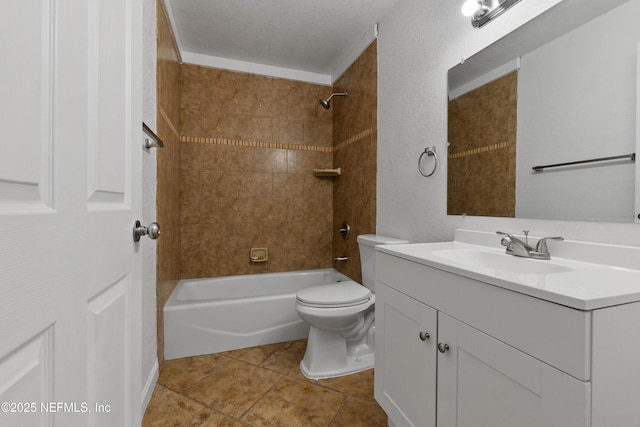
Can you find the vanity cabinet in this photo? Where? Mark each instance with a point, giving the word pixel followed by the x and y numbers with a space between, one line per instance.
pixel 497 358
pixel 471 380
pixel 483 382
pixel 406 353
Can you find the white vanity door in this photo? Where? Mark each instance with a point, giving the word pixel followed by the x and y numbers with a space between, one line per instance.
pixel 405 370
pixel 483 382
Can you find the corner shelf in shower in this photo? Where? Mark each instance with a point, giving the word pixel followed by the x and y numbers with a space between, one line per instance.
pixel 327 172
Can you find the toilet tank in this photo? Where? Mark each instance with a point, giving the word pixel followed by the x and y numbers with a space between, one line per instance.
pixel 367 244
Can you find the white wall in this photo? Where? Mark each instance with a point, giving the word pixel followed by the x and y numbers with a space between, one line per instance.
pixel 149 346
pixel 419 40
pixel 576 101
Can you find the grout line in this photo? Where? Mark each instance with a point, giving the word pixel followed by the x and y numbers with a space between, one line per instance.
pixel 207 408
pixel 260 398
pixel 342 405
pixel 205 375
pixel 259 364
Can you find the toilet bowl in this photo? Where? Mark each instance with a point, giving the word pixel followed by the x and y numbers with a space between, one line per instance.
pixel 342 319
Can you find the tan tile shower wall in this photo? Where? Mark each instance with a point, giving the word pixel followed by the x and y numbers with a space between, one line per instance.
pixel 168 168
pixel 482 154
pixel 355 149
pixel 249 146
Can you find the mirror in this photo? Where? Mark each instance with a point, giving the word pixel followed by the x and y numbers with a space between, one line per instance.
pixel 559 89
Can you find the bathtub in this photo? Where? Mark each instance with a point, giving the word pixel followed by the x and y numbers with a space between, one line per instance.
pixel 204 316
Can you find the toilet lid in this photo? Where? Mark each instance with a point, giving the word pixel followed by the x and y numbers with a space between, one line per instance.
pixel 341 294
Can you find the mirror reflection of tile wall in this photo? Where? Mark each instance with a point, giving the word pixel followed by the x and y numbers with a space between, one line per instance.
pixel 482 151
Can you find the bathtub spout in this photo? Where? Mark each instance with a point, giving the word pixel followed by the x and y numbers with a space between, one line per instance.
pixel 340 259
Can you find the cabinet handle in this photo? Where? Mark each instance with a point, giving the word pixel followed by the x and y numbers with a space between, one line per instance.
pixel 424 336
pixel 442 348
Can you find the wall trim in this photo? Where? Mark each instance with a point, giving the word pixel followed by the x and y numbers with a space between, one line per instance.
pixel 149 386
pixel 255 68
pixel 492 75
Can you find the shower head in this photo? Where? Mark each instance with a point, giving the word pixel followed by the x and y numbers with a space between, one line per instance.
pixel 326 103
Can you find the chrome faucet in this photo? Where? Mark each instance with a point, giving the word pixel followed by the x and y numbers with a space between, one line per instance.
pixel 519 248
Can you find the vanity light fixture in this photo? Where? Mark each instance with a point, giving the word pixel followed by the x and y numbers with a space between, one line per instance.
pixel 483 11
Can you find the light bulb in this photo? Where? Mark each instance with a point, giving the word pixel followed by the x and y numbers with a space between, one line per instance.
pixel 470 7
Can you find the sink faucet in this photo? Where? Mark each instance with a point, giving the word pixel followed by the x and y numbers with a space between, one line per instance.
pixel 519 248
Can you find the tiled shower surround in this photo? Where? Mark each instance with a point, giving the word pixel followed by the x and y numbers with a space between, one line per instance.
pixel 248 149
pixel 237 169
pixel 249 145
pixel 168 168
pixel 355 121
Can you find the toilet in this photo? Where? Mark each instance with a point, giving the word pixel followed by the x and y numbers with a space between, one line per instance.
pixel 341 318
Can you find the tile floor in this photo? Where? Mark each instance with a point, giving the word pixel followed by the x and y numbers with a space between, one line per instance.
pixel 259 386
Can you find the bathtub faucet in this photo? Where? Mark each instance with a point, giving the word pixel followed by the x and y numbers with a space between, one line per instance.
pixel 340 259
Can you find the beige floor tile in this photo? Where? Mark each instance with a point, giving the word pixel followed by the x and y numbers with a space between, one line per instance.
pixel 359 384
pixel 234 388
pixel 360 413
pixel 293 403
pixel 230 390
pixel 286 359
pixel 254 355
pixel 209 418
pixel 182 374
pixel 167 409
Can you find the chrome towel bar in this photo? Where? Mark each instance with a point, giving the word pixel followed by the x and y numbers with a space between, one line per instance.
pixel 631 157
pixel 153 140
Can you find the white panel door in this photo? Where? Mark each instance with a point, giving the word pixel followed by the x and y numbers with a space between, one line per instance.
pixel 405 371
pixel 70 152
pixel 483 382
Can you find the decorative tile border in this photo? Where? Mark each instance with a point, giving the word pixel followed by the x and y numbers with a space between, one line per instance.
pixel 353 139
pixel 275 145
pixel 168 121
pixel 258 144
pixel 479 150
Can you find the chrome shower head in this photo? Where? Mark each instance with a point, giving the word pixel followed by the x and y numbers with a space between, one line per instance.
pixel 326 103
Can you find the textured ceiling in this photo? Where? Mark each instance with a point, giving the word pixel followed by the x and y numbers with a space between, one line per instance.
pixel 307 35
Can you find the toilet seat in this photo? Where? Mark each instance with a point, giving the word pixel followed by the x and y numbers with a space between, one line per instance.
pixel 335 295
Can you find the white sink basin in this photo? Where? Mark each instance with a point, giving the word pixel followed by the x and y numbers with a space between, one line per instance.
pixel 501 262
pixel 581 275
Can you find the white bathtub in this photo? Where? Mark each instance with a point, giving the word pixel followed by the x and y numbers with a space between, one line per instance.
pixel 211 315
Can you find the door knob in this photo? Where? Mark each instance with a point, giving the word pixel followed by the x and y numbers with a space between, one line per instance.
pixel 424 336
pixel 442 348
pixel 153 231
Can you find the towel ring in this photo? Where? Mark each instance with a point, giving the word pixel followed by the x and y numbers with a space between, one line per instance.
pixel 429 151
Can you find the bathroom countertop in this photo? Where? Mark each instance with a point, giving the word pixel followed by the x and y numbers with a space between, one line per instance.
pixel 573 278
